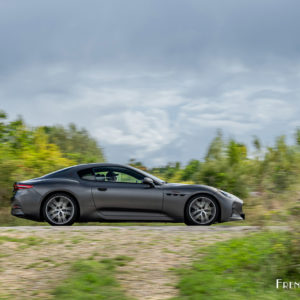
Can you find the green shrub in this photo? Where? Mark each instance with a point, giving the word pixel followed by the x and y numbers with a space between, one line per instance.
pixel 243 268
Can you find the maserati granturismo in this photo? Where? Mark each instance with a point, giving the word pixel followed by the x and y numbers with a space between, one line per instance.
pixel 104 192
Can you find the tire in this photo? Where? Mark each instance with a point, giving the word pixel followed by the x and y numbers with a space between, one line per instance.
pixel 201 210
pixel 60 209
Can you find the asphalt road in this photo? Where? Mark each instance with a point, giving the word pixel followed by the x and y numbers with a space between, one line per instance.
pixel 167 228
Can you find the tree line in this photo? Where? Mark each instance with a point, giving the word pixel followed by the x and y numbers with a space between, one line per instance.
pixel 27 152
pixel 228 165
pixel 31 152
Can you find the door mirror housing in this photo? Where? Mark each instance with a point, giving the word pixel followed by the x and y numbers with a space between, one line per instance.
pixel 148 181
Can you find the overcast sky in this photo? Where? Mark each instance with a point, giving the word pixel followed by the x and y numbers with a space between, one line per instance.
pixel 151 79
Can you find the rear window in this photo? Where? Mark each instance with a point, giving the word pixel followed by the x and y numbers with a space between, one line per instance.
pixel 59 173
pixel 87 174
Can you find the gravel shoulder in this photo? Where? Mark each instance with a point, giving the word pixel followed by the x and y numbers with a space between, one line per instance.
pixel 33 260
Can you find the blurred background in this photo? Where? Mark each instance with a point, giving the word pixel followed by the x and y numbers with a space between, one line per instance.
pixel 193 91
pixel 267 178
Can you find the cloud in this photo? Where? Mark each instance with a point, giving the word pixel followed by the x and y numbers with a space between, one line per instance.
pixel 148 130
pixel 153 80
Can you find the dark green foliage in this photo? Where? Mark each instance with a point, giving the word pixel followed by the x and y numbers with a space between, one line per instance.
pixel 242 268
pixel 168 171
pixel 216 148
pixel 191 170
pixel 136 164
pixel 227 166
pixel 92 279
pixel 75 144
pixel 32 152
pixel 236 152
pixel 280 167
pixel 256 143
pixel 297 136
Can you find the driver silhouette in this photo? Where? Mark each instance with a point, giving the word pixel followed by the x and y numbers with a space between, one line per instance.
pixel 111 176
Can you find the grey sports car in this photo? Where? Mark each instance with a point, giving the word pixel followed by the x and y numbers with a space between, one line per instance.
pixel 112 192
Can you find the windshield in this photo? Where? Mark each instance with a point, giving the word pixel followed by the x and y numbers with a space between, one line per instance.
pixel 160 181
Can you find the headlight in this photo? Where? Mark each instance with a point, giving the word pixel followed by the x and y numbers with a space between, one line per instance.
pixel 228 195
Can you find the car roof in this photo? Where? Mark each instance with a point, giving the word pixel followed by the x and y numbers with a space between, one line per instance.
pixel 70 170
pixel 91 165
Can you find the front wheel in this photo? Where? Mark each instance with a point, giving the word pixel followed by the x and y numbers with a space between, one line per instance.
pixel 60 210
pixel 201 210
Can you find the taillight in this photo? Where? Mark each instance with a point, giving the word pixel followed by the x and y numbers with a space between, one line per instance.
pixel 22 186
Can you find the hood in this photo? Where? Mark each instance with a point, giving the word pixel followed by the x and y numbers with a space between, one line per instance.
pixel 190 186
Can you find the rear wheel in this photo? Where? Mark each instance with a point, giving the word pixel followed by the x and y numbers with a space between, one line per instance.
pixel 60 210
pixel 201 210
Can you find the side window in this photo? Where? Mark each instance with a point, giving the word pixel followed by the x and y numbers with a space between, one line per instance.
pixel 87 174
pixel 129 178
pixel 115 174
pixel 100 174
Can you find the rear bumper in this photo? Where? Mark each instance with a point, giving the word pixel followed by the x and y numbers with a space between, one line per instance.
pixel 16 208
pixel 26 204
pixel 17 212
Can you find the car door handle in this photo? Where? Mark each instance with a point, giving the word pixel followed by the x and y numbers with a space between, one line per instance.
pixel 102 189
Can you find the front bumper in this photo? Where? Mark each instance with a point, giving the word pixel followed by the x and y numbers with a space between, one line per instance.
pixel 237 212
pixel 236 217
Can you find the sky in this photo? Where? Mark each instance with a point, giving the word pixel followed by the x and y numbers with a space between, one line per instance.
pixel 153 80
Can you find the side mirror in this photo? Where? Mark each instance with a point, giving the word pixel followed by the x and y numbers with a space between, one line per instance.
pixel 148 181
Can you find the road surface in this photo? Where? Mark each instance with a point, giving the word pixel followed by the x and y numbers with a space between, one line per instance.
pixel 34 260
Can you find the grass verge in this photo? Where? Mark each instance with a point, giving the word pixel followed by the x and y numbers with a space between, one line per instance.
pixel 29 241
pixel 93 279
pixel 243 268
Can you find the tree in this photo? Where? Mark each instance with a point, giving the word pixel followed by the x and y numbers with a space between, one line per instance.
pixel 32 152
pixel 137 164
pixel 297 136
pixel 191 169
pixel 3 117
pixel 236 152
pixel 75 144
pixel 216 148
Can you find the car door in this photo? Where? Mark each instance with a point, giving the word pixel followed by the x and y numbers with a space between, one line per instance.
pixel 120 192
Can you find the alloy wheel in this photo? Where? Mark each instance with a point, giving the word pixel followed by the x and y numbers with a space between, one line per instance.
pixel 202 210
pixel 60 209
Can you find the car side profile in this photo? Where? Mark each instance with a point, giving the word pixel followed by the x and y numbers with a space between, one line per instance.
pixel 112 192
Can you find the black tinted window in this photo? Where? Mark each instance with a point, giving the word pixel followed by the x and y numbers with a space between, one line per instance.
pixel 59 173
pixel 116 174
pixel 87 174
